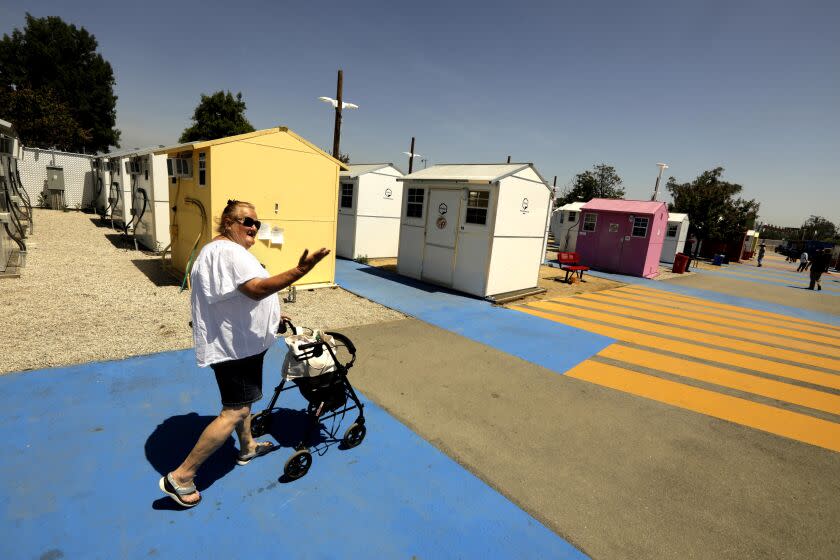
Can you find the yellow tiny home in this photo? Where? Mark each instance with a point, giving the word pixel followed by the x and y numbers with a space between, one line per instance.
pixel 292 184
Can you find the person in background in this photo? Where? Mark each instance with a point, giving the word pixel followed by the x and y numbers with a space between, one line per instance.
pixel 761 249
pixel 689 245
pixel 803 262
pixel 819 264
pixel 235 314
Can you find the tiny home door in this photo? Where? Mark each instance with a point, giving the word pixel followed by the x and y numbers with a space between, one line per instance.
pixel 611 241
pixel 441 236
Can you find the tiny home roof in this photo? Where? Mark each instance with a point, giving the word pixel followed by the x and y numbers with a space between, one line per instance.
pixel 6 125
pixel 618 205
pixel 675 217
pixel 357 169
pixel 470 172
pixel 201 144
pixel 128 152
pixel 572 206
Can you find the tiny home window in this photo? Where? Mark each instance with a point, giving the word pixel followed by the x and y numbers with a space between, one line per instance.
pixel 477 203
pixel 572 216
pixel 346 195
pixel 672 230
pixel 589 221
pixel 202 168
pixel 640 227
pixel 414 206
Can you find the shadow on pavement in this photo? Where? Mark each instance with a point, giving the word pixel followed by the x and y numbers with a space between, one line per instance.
pixel 171 441
pixel 411 282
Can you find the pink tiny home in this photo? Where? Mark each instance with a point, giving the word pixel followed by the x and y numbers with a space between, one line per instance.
pixel 622 236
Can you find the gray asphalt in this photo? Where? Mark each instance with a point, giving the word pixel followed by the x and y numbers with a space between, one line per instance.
pixel 616 475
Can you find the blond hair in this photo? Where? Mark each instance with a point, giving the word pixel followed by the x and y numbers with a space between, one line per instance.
pixel 231 214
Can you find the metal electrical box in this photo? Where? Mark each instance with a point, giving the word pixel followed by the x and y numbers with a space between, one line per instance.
pixel 55 178
pixel 55 187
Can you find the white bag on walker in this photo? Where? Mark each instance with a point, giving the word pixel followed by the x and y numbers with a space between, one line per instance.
pixel 312 367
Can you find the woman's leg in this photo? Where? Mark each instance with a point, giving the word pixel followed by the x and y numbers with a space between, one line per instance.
pixel 211 439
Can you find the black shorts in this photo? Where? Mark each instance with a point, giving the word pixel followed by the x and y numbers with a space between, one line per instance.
pixel 240 381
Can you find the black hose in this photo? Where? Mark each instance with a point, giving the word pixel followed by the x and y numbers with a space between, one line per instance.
pixel 19 242
pixel 112 201
pixel 5 186
pixel 20 190
pixel 135 216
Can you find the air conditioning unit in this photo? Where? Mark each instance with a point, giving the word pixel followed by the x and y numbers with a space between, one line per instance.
pixel 179 167
pixel 133 166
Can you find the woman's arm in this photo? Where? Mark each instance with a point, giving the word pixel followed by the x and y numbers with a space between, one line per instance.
pixel 259 288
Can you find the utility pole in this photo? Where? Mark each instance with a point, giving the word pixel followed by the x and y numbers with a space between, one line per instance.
pixel 411 157
pixel 337 132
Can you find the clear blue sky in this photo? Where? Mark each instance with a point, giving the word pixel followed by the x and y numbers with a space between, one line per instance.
pixel 753 86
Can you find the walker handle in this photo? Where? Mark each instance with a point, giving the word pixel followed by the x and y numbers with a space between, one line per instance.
pixel 281 328
pixel 343 339
pixel 310 350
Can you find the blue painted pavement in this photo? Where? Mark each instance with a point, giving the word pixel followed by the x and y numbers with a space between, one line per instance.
pixel 546 343
pixel 86 446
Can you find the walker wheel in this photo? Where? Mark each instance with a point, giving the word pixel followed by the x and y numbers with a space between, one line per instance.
pixel 259 424
pixel 298 464
pixel 354 435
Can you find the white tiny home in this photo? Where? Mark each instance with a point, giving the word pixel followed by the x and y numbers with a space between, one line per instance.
pixel 475 228
pixel 119 191
pixel 675 237
pixel 565 223
pixel 369 204
pixel 150 200
pixel 101 184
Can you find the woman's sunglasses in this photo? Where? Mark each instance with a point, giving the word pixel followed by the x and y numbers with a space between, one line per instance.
pixel 249 222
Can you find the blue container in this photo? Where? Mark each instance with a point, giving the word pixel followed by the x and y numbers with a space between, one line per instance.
pixel 718 260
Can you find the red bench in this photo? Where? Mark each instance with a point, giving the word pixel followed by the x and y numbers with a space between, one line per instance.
pixel 569 263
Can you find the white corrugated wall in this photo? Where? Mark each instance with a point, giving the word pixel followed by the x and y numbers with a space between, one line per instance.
pixel 78 181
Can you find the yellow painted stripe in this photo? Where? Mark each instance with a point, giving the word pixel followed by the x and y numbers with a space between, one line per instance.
pixel 613 307
pixel 785 423
pixel 645 303
pixel 785 392
pixel 741 312
pixel 695 351
pixel 694 336
pixel 708 303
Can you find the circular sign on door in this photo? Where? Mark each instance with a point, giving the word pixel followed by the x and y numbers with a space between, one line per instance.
pixel 441 222
pixel 388 193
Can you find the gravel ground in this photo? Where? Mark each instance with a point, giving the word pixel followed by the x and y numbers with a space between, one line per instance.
pixel 86 295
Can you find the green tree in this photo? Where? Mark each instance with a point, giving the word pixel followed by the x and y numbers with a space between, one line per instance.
pixel 344 158
pixel 819 228
pixel 43 120
pixel 52 65
pixel 713 211
pixel 217 115
pixel 601 182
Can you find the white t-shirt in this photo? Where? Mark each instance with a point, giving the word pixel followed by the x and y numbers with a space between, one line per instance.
pixel 227 324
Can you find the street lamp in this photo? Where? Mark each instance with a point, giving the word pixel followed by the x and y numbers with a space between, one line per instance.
pixel 662 167
pixel 338 105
